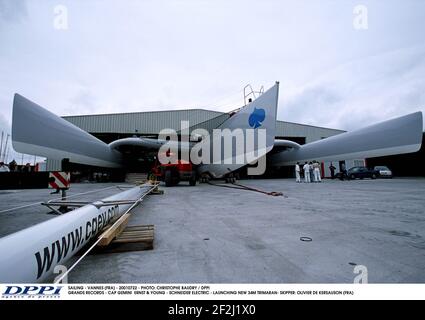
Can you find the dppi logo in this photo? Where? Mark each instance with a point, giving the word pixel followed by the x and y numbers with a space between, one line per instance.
pixel 46 291
pixel 256 118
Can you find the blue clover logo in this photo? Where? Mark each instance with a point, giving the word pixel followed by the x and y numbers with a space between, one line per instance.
pixel 256 118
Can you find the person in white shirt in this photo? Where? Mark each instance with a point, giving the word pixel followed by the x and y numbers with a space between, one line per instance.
pixel 311 171
pixel 317 177
pixel 306 168
pixel 297 172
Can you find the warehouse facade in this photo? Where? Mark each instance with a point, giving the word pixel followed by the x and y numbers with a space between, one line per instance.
pixel 110 127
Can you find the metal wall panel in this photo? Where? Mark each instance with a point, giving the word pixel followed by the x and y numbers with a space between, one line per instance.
pixel 140 122
pixel 153 122
pixel 311 133
pixel 53 165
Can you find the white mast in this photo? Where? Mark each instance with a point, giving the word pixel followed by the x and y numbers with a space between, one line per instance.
pixel 1 144
pixel 5 147
pixel 30 255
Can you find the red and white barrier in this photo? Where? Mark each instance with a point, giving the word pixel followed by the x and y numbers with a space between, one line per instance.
pixel 59 180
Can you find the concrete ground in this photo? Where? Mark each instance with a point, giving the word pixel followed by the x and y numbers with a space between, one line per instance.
pixel 209 234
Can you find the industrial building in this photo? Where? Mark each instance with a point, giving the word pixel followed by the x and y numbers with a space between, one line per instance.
pixel 110 127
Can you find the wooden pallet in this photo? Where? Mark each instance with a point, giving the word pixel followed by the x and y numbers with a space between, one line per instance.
pixel 133 238
pixel 157 191
pixel 107 237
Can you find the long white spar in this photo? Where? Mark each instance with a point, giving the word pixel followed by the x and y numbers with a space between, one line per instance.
pixel 30 255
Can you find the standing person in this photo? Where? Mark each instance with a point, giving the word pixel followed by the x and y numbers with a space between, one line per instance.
pixel 12 165
pixel 306 168
pixel 332 169
pixel 297 172
pixel 27 168
pixel 302 174
pixel 311 171
pixel 317 175
pixel 343 171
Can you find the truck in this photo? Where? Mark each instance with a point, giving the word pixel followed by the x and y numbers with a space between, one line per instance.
pixel 173 173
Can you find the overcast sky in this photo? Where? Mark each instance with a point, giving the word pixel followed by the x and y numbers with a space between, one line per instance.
pixel 119 56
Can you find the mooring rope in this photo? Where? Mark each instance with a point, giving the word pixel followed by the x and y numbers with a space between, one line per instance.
pixel 243 187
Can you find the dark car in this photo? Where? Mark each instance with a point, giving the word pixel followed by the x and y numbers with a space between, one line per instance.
pixel 384 172
pixel 361 173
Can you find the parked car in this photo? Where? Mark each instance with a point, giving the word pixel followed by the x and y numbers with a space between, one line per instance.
pixel 361 173
pixel 384 172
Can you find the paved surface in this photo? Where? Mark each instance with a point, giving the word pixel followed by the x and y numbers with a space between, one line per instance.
pixel 210 234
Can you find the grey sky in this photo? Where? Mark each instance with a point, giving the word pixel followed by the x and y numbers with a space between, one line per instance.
pixel 119 56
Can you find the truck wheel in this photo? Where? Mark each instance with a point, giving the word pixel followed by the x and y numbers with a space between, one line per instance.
pixel 168 178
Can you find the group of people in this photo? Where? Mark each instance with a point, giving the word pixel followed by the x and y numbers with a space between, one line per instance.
pixel 310 171
pixel 14 167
